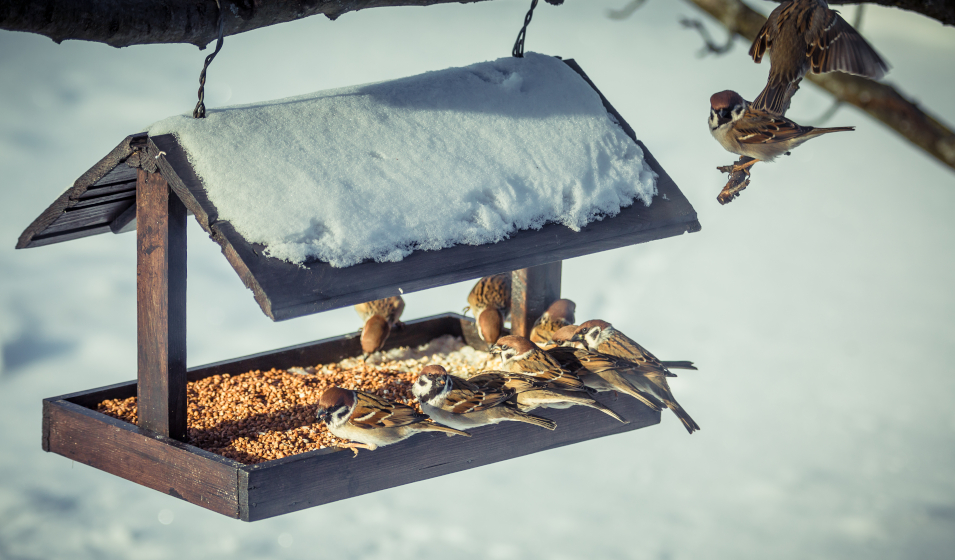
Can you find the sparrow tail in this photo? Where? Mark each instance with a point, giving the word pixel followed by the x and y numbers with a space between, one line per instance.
pixel 818 131
pixel 535 420
pixel 624 386
pixel 689 423
pixel 680 364
pixel 435 427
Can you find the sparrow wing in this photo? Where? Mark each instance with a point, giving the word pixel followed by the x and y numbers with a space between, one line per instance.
pixel 462 401
pixel 841 48
pixel 764 37
pixel 761 127
pixel 506 381
pixel 375 412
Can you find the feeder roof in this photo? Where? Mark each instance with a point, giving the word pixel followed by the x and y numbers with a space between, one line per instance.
pixel 461 162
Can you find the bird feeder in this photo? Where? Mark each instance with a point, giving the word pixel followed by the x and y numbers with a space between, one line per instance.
pixel 149 184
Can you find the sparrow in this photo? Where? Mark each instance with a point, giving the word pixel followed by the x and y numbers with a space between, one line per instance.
pixel 600 336
pixel 370 422
pixel 380 317
pixel 520 355
pixel 559 314
pixel 744 130
pixel 462 404
pixel 490 303
pixel 804 35
pixel 603 373
pixel 532 392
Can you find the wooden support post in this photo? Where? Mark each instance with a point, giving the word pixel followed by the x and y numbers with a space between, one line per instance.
pixel 532 291
pixel 161 306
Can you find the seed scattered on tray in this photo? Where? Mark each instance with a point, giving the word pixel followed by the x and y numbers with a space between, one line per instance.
pixel 258 416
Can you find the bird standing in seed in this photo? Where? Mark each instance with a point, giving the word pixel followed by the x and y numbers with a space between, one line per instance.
pixel 559 314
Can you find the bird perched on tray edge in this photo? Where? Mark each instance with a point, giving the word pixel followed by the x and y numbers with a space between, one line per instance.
pixel 380 316
pixel 370 422
pixel 490 303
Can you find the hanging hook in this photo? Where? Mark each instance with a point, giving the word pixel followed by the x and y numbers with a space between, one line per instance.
pixel 200 111
pixel 518 50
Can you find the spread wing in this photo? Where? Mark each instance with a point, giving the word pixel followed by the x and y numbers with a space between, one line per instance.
pixel 841 48
pixel 375 412
pixel 764 38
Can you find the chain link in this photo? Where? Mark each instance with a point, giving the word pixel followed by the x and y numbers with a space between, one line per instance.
pixel 518 50
pixel 200 111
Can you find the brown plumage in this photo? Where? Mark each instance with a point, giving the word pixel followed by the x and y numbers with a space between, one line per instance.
pixel 600 336
pixel 603 373
pixel 380 317
pixel 490 303
pixel 532 392
pixel 559 314
pixel 803 36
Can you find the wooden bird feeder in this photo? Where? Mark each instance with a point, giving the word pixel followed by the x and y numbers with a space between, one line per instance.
pixel 147 184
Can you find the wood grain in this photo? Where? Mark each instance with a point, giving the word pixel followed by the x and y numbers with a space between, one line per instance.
pixel 161 304
pixel 532 291
pixel 157 462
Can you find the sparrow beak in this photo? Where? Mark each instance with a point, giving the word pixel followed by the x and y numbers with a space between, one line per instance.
pixel 322 415
pixel 577 338
pixel 495 349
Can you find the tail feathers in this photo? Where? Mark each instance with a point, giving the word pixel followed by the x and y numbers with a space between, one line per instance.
pixel 596 405
pixel 535 420
pixel 679 364
pixel 621 384
pixel 554 398
pixel 689 423
pixel 775 98
pixel 435 427
pixel 818 131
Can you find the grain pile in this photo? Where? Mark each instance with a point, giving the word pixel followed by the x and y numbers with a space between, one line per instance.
pixel 258 416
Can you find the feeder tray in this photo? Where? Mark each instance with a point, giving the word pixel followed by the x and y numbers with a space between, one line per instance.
pixel 151 177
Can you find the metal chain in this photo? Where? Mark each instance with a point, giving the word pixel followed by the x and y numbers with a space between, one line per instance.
pixel 200 111
pixel 518 50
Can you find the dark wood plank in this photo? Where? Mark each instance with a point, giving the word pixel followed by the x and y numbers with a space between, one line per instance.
pixel 86 217
pixel 328 475
pixel 119 174
pixel 128 195
pixel 126 221
pixel 161 304
pixel 118 155
pixel 86 231
pixel 532 291
pixel 157 462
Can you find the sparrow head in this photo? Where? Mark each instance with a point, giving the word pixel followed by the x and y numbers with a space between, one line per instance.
pixel 565 335
pixel 725 107
pixel 375 333
pixel 335 406
pixel 562 311
pixel 513 347
pixel 592 332
pixel 490 322
pixel 432 384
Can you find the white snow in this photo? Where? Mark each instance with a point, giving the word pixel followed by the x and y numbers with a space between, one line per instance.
pixel 458 156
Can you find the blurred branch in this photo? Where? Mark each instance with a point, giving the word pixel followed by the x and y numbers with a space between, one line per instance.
pixel 626 11
pixel 881 101
pixel 942 10
pixel 709 45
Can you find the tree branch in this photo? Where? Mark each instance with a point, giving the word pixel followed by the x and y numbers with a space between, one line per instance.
pixel 881 101
pixel 121 23
pixel 942 10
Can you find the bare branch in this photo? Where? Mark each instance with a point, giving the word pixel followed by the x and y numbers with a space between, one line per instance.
pixel 881 101
pixel 709 45
pixel 626 11
pixel 942 10
pixel 121 23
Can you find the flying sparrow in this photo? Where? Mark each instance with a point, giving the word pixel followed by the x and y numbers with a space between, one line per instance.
pixel 370 422
pixel 604 373
pixel 600 336
pixel 380 317
pixel 559 314
pixel 490 303
pixel 462 404
pixel 534 392
pixel 744 130
pixel 520 355
pixel 804 35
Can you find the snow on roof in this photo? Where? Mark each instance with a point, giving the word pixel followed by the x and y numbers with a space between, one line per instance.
pixel 458 156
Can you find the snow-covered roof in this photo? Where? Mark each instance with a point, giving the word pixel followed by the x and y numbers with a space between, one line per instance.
pixel 422 182
pixel 457 156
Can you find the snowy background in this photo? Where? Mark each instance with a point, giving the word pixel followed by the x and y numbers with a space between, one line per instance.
pixel 819 307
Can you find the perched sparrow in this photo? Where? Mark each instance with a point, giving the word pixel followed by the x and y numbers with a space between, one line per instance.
pixel 490 303
pixel 805 34
pixel 559 314
pixel 601 337
pixel 520 355
pixel 462 404
pixel 533 392
pixel 370 422
pixel 604 373
pixel 380 317
pixel 755 133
